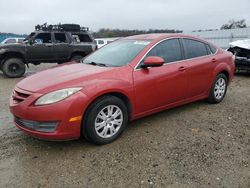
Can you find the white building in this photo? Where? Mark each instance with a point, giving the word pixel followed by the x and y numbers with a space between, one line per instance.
pixel 222 38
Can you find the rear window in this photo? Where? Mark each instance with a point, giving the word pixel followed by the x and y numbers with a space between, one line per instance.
pixel 100 42
pixel 82 37
pixel 195 48
pixel 60 37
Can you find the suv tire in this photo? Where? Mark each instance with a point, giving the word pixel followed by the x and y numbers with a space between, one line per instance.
pixel 13 67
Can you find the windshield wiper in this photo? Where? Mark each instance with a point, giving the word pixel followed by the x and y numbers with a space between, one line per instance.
pixel 97 64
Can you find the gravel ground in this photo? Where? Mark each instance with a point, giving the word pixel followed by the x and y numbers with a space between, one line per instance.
pixel 196 145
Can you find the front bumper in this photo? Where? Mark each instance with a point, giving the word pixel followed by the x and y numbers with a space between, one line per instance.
pixel 32 119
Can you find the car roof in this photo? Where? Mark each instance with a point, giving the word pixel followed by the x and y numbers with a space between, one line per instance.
pixel 155 36
pixel 55 31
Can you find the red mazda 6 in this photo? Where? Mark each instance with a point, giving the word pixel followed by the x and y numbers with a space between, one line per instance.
pixel 125 80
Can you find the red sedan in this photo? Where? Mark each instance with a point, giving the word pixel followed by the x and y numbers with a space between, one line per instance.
pixel 125 80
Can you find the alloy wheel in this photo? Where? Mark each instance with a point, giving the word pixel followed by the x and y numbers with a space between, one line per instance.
pixel 108 121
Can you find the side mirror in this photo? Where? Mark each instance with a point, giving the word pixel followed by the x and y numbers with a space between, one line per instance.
pixel 153 61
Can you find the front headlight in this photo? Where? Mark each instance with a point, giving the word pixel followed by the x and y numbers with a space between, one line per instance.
pixel 56 96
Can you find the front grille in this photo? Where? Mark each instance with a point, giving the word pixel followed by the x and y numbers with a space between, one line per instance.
pixel 19 96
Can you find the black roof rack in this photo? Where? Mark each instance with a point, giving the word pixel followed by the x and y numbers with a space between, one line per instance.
pixel 61 27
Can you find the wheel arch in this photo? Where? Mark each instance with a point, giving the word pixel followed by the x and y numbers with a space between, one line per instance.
pixel 7 55
pixel 225 69
pixel 225 72
pixel 117 94
pixel 81 53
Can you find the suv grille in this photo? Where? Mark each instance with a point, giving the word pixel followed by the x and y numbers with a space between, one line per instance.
pixel 19 96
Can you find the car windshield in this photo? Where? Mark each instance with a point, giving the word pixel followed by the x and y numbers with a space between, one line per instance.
pixel 29 36
pixel 118 53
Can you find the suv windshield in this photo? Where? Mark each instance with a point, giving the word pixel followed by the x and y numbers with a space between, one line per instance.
pixel 118 53
pixel 29 36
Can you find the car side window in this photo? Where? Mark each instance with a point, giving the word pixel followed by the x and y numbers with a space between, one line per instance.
pixel 213 49
pixel 60 37
pixel 10 41
pixel 20 40
pixel 84 38
pixel 100 42
pixel 195 48
pixel 169 50
pixel 43 38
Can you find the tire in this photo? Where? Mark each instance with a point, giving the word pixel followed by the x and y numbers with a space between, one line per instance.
pixel 71 27
pixel 13 68
pixel 76 58
pixel 219 89
pixel 100 127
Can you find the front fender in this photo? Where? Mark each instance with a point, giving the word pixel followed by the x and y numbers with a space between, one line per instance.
pixel 96 88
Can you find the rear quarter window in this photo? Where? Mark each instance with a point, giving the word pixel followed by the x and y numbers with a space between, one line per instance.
pixel 213 49
pixel 194 48
pixel 82 37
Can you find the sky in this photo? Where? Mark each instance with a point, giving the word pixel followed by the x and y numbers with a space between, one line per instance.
pixel 20 16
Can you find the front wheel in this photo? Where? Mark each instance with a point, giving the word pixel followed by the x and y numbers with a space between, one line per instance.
pixel 105 120
pixel 76 58
pixel 13 68
pixel 219 89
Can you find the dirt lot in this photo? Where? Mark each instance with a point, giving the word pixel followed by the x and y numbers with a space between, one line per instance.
pixel 196 145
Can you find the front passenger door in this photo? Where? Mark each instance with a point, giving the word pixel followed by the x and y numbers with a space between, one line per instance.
pixel 41 48
pixel 160 86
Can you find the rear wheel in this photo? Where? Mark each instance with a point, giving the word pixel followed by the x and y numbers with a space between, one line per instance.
pixel 13 67
pixel 219 89
pixel 105 120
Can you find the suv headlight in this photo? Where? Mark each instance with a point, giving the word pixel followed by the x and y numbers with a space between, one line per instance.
pixel 56 96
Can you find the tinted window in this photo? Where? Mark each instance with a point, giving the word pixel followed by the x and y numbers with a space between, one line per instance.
pixel 169 50
pixel 195 48
pixel 43 38
pixel 20 40
pixel 100 42
pixel 213 49
pixel 10 41
pixel 82 37
pixel 60 37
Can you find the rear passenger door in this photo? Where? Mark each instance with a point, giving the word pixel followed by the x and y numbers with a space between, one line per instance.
pixel 62 48
pixel 200 63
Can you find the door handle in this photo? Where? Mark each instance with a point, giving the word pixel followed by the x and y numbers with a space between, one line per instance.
pixel 214 60
pixel 182 68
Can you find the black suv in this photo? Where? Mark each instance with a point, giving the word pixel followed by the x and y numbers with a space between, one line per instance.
pixel 49 43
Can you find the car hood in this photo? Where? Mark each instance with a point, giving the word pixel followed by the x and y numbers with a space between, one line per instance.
pixel 62 76
pixel 241 44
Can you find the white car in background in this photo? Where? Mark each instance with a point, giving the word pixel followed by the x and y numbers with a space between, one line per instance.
pixel 12 41
pixel 103 41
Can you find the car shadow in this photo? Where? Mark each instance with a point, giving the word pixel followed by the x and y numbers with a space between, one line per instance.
pixel 136 125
